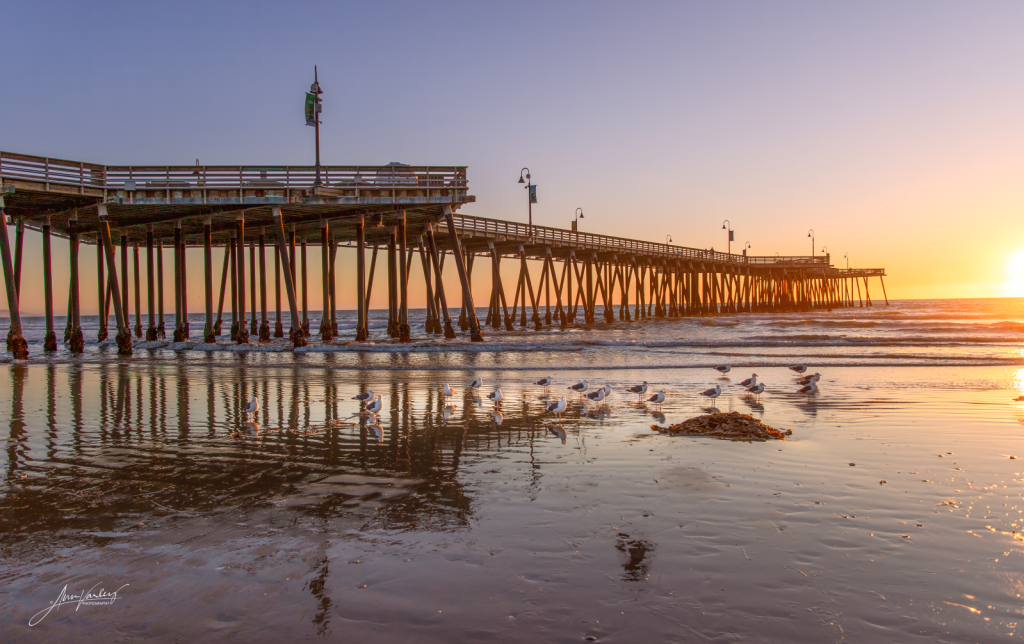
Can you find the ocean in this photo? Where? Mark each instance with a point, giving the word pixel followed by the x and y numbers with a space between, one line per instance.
pixel 894 511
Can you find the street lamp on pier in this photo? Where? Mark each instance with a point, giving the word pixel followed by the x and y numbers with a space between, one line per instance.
pixel 746 245
pixel 846 256
pixel 668 239
pixel 576 221
pixel 824 251
pixel 531 192
pixel 313 108
pixel 810 234
pixel 731 231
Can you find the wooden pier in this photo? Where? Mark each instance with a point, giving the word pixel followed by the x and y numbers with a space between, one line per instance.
pixel 407 211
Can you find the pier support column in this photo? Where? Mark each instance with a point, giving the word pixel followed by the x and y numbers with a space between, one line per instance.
pixel 392 283
pixel 124 336
pixel 150 293
pixel 76 343
pixel 326 329
pixel 297 337
pixel 126 301
pixel 449 331
pixel 460 266
pixel 369 287
pixel 296 322
pixel 101 284
pixel 242 336
pixel 432 324
pixel 278 326
pixel 138 291
pixel 305 292
pixel 209 334
pixel 264 331
pixel 50 339
pixel 223 288
pixel 883 290
pixel 404 332
pixel 233 236
pixel 15 342
pixel 179 331
pixel 333 285
pixel 361 303
pixel 254 324
pixel 161 330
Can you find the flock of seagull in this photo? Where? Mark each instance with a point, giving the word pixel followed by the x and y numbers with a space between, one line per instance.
pixel 373 403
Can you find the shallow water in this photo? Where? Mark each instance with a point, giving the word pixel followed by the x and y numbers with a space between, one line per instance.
pixel 891 514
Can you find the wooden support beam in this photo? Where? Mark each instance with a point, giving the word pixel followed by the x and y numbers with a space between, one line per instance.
pixel 151 332
pixel 125 303
pixel 233 242
pixel 432 324
pixel 460 265
pixel 254 325
pixel 305 291
pixel 404 332
pixel 392 282
pixel 361 303
pixel 264 331
pixel 883 290
pixel 449 332
pixel 297 337
pixel 161 330
pixel 529 289
pixel 326 328
pixel 136 282
pixel 50 339
pixel 278 260
pixel 223 287
pixel 185 331
pixel 369 286
pixel 177 337
pixel 76 342
pixel 334 286
pixel 209 336
pixel 496 261
pixel 101 299
pixel 242 334
pixel 124 337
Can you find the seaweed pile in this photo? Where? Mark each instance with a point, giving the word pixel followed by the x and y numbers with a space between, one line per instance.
pixel 732 426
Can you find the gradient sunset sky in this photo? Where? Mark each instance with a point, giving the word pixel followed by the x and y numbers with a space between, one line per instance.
pixel 893 129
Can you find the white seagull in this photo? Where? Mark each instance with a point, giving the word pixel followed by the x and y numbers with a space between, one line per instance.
pixel 756 389
pixel 448 391
pixel 800 368
pixel 251 407
pixel 657 398
pixel 607 390
pixel 557 407
pixel 714 392
pixel 476 384
pixel 545 381
pixel 749 382
pixel 597 395
pixel 375 405
pixel 363 397
pixel 723 369
pixel 806 380
pixel 639 390
pixel 495 396
pixel 580 387
pixel 809 389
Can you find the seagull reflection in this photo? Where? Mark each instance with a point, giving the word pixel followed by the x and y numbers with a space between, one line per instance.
pixel 711 410
pixel 558 431
pixel 497 417
pixel 446 414
pixel 376 430
pixel 658 416
pixel 753 403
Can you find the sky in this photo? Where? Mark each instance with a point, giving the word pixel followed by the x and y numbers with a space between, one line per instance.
pixel 893 130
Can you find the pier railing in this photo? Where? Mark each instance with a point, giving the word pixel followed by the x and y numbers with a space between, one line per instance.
pixel 516 231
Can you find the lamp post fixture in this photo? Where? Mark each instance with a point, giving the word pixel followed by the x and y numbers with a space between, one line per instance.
pixel 810 234
pixel 668 239
pixel 529 199
pixel 576 221
pixel 846 256
pixel 313 108
pixel 729 228
pixel 746 245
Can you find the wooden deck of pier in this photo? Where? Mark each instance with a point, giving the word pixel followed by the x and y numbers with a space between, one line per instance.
pixel 407 211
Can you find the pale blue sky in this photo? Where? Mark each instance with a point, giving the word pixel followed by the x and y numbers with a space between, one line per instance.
pixel 892 129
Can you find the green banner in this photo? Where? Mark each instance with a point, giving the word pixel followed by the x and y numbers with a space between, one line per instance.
pixel 310 109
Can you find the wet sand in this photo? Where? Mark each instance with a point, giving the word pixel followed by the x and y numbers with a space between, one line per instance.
pixel 469 529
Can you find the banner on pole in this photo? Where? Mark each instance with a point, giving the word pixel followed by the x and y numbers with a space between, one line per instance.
pixel 533 194
pixel 310 109
pixel 731 236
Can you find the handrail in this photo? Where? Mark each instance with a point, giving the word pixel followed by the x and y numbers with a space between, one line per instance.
pixel 607 243
pixel 89 175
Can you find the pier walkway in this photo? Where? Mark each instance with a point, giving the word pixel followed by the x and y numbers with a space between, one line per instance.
pixel 408 212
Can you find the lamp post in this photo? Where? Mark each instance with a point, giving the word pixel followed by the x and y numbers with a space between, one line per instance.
pixel 810 234
pixel 668 239
pixel 746 245
pixel 824 251
pixel 729 228
pixel 846 256
pixel 313 109
pixel 576 221
pixel 529 199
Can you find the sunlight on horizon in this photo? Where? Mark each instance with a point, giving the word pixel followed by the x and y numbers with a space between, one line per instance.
pixel 1014 285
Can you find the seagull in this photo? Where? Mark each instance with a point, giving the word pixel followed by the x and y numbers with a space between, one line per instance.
pixel 806 380
pixel 251 407
pixel 375 405
pixel 714 392
pixel 558 431
pixel 639 390
pixel 448 391
pixel 756 389
pixel 545 381
pixel 809 389
pixel 597 395
pixel 557 407
pixel 495 396
pixel 363 397
pixel 580 387
pixel 749 382
pixel 607 390
pixel 476 384
pixel 723 369
pixel 657 398
pixel 800 368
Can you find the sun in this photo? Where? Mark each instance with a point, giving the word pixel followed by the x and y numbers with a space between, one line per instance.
pixel 1015 275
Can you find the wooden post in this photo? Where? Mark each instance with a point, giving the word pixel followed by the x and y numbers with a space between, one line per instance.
pixel 305 292
pixel 404 332
pixel 15 342
pixel 223 287
pixel 449 331
pixel 178 334
pixel 392 283
pixel 185 332
pixel 867 294
pixel 297 337
pixel 101 284
pixel 361 303
pixel 254 324
pixel 209 336
pixel 883 290
pixel 126 302
pixel 326 329
pixel 242 335
pixel 50 339
pixel 431 325
pixel 278 259
pixel 124 337
pixel 460 266
pixel 76 343
pixel 161 330
pixel 334 287
pixel 501 289
pixel 138 288
pixel 233 237
pixel 264 331
pixel 150 293
pixel 369 288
